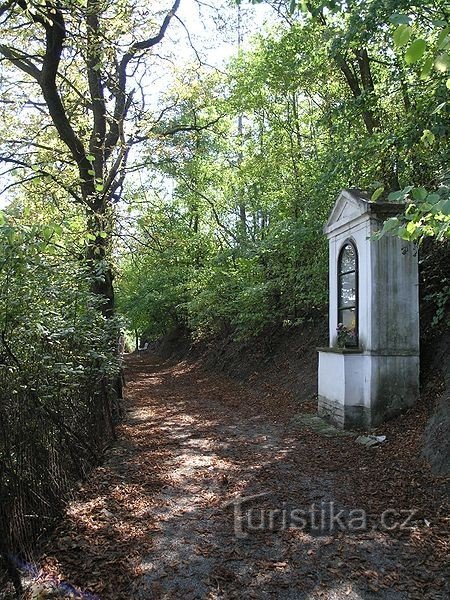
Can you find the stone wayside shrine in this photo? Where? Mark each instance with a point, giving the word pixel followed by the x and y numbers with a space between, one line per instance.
pixel 370 372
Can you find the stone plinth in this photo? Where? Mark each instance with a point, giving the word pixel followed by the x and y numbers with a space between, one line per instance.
pixel 361 389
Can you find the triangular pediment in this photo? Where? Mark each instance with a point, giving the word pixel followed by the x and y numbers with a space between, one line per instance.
pixel 349 210
pixel 349 205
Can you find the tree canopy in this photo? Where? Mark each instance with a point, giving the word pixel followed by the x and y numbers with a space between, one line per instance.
pixel 333 95
pixel 71 115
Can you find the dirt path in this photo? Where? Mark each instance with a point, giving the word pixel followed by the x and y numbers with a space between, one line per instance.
pixel 152 522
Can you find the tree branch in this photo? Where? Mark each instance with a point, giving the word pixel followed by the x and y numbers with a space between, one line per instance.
pixel 148 43
pixel 55 33
pixel 6 6
pixel 96 88
pixel 193 189
pixel 24 165
pixel 34 144
pixel 22 63
pixel 121 106
pixel 55 36
pixel 189 128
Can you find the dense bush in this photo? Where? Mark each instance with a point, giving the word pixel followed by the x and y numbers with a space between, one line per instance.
pixel 189 280
pixel 57 361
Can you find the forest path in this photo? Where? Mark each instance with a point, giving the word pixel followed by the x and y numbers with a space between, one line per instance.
pixel 153 520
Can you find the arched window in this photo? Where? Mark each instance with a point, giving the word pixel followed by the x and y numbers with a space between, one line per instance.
pixel 348 295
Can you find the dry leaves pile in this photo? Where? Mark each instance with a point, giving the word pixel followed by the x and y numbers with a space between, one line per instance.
pixel 150 522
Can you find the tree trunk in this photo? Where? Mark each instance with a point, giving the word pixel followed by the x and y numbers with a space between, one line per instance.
pixel 97 255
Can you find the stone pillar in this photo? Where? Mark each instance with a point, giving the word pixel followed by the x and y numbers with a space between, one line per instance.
pixel 370 371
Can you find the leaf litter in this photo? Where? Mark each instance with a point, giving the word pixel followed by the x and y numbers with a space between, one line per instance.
pixel 150 522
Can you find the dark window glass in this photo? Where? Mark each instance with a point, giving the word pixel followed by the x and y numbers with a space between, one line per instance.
pixel 348 318
pixel 348 290
pixel 348 295
pixel 348 259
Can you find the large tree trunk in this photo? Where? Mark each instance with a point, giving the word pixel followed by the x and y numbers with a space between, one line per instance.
pixel 98 255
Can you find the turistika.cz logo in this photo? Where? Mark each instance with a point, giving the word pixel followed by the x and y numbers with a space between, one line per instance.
pixel 324 518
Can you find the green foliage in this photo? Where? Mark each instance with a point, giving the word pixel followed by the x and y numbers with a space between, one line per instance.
pixel 415 51
pixel 51 329
pixel 278 278
pixel 427 204
pixel 427 214
pixel 259 193
pixel 153 280
pixel 57 363
pixel 333 97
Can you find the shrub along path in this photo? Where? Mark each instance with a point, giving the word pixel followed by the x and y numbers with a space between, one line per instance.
pixel 151 522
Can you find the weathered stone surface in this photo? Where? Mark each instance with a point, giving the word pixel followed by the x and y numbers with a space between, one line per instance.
pixel 319 425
